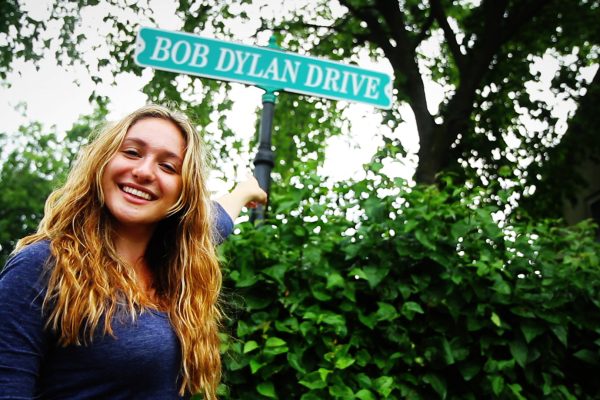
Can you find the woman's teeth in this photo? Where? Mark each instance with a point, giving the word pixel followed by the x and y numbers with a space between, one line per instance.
pixel 136 192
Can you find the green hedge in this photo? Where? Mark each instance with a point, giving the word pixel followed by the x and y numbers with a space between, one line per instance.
pixel 374 290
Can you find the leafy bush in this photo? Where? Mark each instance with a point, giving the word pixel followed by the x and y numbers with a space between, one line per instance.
pixel 375 290
pixel 33 162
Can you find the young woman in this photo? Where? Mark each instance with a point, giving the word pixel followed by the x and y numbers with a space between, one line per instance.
pixel 115 296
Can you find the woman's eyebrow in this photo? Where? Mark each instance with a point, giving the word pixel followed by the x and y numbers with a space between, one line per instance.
pixel 142 143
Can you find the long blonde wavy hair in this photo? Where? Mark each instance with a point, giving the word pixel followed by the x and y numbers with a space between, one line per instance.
pixel 89 282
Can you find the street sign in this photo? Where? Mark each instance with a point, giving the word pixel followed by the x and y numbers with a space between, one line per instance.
pixel 261 66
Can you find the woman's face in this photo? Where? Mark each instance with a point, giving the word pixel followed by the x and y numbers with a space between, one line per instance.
pixel 143 179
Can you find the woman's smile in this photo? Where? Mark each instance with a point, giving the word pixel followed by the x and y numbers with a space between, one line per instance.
pixel 137 193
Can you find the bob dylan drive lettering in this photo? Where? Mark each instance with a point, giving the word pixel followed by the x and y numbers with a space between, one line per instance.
pixel 246 63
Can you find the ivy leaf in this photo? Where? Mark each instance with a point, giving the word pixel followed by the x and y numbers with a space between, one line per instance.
pixel 289 325
pixel 249 346
pixel 561 333
pixel 410 225
pixel 313 381
pixel 337 321
pixel 344 362
pixel 496 319
pixel 256 302
pixel 275 342
pixel 384 385
pixel 423 238
pixel 531 330
pixel 341 391
pixel 255 365
pixel 375 275
pixel 437 383
pixel 324 373
pixel 517 391
pixel 319 292
pixel 469 370
pixel 276 272
pixel 588 356
pixel 386 312
pixel 448 356
pixel 335 280
pixel 306 328
pixel 365 394
pixel 243 329
pixel 518 349
pixel 275 346
pixel 410 308
pixel 267 389
pixel 497 384
pixel 295 360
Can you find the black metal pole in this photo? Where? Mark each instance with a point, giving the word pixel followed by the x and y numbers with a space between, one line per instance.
pixel 265 157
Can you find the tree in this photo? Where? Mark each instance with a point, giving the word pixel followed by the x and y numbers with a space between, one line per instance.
pixel 486 53
pixel 558 183
pixel 37 162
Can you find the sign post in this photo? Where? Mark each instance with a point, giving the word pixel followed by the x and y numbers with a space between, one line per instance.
pixel 264 161
pixel 267 67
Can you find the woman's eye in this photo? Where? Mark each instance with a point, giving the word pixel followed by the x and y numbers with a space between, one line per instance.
pixel 131 152
pixel 168 168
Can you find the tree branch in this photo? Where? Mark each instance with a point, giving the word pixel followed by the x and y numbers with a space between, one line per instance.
pixel 403 59
pixel 421 36
pixel 440 16
pixel 335 27
pixel 401 56
pixel 376 32
pixel 497 29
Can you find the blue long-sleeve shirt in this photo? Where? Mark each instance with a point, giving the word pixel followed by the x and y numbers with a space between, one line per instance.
pixel 141 361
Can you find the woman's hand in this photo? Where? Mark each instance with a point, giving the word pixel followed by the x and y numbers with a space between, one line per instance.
pixel 247 193
pixel 250 193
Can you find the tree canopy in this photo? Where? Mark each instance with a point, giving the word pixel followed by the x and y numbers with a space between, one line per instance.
pixel 482 53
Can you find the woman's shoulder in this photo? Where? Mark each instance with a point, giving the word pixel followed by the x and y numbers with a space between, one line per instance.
pixel 28 262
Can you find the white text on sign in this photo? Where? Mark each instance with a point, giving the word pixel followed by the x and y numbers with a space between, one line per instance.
pixel 285 71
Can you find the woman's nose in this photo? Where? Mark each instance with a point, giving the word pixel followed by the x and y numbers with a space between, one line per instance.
pixel 143 171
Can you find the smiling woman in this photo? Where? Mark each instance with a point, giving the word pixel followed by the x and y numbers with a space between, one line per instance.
pixel 143 180
pixel 116 295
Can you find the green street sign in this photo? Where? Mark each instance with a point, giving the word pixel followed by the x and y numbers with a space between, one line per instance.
pixel 261 66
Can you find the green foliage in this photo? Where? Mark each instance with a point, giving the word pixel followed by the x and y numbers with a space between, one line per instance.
pixel 17 46
pixel 301 127
pixel 27 176
pixel 375 290
pixel 36 161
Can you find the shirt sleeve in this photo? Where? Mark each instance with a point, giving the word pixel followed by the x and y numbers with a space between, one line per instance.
pixel 223 224
pixel 22 338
